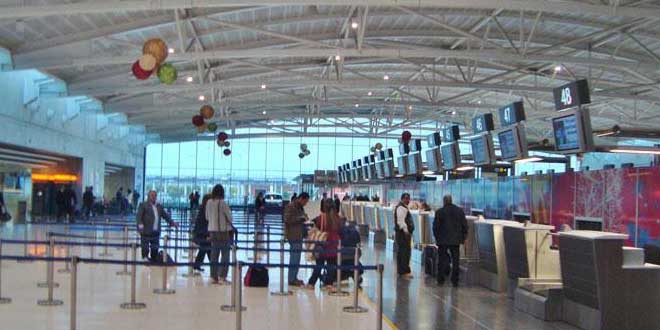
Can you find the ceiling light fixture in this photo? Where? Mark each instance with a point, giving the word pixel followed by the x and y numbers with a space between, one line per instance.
pixel 453 113
pixel 170 50
pixel 202 97
pixel 528 160
pixel 370 93
pixel 558 68
pixel 264 112
pixel 189 79
pixel 354 25
pixel 465 168
pixel 357 105
pixel 386 77
pixel 263 86
pixel 337 58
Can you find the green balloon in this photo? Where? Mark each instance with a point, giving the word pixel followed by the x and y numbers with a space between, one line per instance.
pixel 167 74
pixel 212 127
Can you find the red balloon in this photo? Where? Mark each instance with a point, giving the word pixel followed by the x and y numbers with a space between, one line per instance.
pixel 198 120
pixel 222 136
pixel 227 152
pixel 406 136
pixel 140 73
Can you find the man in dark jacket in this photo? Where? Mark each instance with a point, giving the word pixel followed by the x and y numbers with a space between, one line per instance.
pixel 148 222
pixel 70 201
pixel 88 202
pixel 449 229
pixel 294 223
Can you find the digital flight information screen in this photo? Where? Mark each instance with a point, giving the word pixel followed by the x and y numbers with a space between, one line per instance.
pixel 480 151
pixel 566 132
pixel 508 144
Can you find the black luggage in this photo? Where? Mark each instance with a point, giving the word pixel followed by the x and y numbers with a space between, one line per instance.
pixel 430 258
pixel 256 276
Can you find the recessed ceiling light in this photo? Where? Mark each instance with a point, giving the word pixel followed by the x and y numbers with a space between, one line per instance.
pixel 410 107
pixel 263 86
pixel 337 58
pixel 189 79
pixel 478 101
pixel 354 25
pixel 453 113
pixel 202 97
pixel 386 77
pixel 357 105
pixel 558 68
pixel 370 93
pixel 264 112
pixel 170 50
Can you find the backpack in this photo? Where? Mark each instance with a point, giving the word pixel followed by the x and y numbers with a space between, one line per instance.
pixel 256 276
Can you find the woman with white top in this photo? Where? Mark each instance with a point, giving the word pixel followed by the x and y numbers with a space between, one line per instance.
pixel 221 233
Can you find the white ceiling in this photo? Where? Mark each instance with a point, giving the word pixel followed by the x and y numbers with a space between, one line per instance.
pixel 468 56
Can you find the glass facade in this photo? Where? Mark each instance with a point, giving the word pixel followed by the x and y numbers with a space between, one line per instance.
pixel 265 163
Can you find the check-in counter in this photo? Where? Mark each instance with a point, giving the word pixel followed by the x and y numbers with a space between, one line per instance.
pixel 388 213
pixel 358 215
pixel 422 236
pixel 370 215
pixel 470 248
pixel 607 286
pixel 492 256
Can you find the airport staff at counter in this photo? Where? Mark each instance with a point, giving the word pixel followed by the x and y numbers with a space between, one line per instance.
pixel 450 230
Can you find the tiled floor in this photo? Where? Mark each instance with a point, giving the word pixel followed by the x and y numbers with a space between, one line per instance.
pixel 410 304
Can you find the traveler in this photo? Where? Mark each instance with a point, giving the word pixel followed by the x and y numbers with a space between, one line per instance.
pixel 322 204
pixel 136 197
pixel 60 203
pixel 148 222
pixel 328 223
pixel 88 202
pixel 221 233
pixel 294 222
pixel 129 200
pixel 201 235
pixel 70 201
pixel 403 230
pixel 337 203
pixel 4 212
pixel 260 207
pixel 293 198
pixel 119 197
pixel 449 229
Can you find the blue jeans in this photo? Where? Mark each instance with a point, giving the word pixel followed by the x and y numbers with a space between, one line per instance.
pixel 294 260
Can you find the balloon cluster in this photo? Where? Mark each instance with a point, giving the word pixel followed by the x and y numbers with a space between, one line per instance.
pixel 199 121
pixel 154 53
pixel 223 142
pixel 377 146
pixel 303 151
pixel 406 136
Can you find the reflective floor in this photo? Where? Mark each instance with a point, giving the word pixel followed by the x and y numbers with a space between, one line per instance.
pixel 410 304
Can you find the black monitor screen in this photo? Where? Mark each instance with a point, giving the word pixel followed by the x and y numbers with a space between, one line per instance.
pixel 448 157
pixel 480 151
pixel 508 144
pixel 432 160
pixel 567 135
pixel 402 163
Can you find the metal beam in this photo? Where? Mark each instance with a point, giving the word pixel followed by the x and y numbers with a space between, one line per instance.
pixel 108 6
pixel 485 55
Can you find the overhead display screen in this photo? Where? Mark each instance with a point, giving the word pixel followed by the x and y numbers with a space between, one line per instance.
pixel 449 157
pixel 508 144
pixel 482 150
pixel 433 160
pixel 566 132
pixel 571 95
pixel 415 163
pixel 402 163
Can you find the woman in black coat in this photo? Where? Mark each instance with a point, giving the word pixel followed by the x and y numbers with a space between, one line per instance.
pixel 201 235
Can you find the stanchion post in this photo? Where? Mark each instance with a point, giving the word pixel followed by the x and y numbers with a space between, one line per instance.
pixel 67 268
pixel 25 247
pixel 74 293
pixel 51 281
pixel 191 252
pixel 105 253
pixel 176 244
pixel 236 280
pixel 49 266
pixel 239 298
pixel 268 244
pixel 281 292
pixel 338 292
pixel 3 300
pixel 355 308
pixel 133 304
pixel 164 289
pixel 379 302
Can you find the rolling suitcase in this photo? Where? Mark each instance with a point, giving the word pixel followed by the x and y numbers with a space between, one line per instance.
pixel 430 258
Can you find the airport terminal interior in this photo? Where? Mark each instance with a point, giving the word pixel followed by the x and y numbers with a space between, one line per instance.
pixel 294 164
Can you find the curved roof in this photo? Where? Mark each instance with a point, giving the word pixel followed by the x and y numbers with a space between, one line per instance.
pixel 296 62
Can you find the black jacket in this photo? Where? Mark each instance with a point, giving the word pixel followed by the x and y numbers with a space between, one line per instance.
pixel 450 226
pixel 88 198
pixel 201 227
